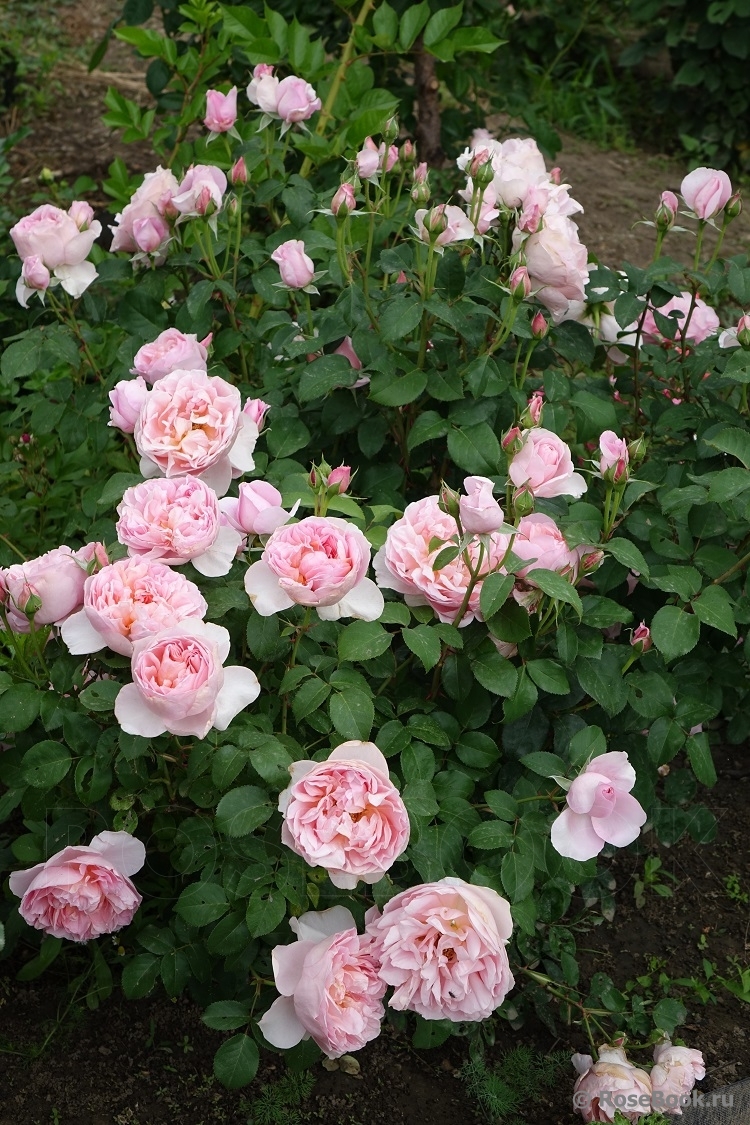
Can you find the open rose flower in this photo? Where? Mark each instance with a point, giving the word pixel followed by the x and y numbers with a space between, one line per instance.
pixel 57 578
pixel 192 423
pixel 172 350
pixel 179 684
pixel 177 520
pixel 257 510
pixel 320 562
pixel 545 466
pixel 329 985
pixel 442 946
pixel 53 236
pixel 598 1084
pixel 200 192
pixel 600 809
pixel 540 540
pixel 296 100
pixel 128 600
pixel 263 88
pixel 405 563
pixel 675 1072
pixel 82 892
pixel 345 814
pixel 146 215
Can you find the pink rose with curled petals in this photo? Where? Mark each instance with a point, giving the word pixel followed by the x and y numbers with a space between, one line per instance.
pixel 296 100
pixel 57 578
pixel 479 510
pixel 329 985
pixel 127 398
pixel 442 947
pixel 706 191
pixel 82 892
pixel 545 466
pixel 172 350
pixel 221 110
pixel 263 89
pixel 128 600
pixel 180 685
pixel 599 1083
pixel 296 268
pixel 174 521
pixel 405 562
pixel 675 1072
pixel 151 201
pixel 345 815
pixel 258 509
pixel 704 321
pixel 458 226
pixel 600 809
pixel 201 191
pixel 320 561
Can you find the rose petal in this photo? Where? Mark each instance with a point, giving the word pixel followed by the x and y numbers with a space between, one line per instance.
pixel 239 690
pixel 315 925
pixel 624 823
pixel 280 1025
pixel 80 635
pixel 134 714
pixel 365 602
pixel 263 589
pixel 356 751
pixel 218 559
pixel 125 852
pixel 573 836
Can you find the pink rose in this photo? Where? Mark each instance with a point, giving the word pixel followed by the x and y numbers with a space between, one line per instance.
pixel 442 948
pixel 345 815
pixel 346 348
pixel 540 540
pixel 321 562
pixel 127 398
pixel 340 478
pixel 329 985
pixel 480 512
pixel 221 110
pixel 344 198
pixel 598 1084
pixel 35 278
pixel 151 201
pixel 53 236
pixel 368 160
pixel 675 1072
pixel 150 234
pixel 82 213
pixel 405 563
pixel 557 262
pixel 642 636
pixel 82 892
pixel 192 423
pixel 296 100
pixel 172 350
pixel 545 466
pixel 256 409
pixel 201 191
pixel 458 225
pixel 706 191
pixel 600 809
pixel 257 510
pixel 296 269
pixel 57 578
pixel 174 521
pixel 263 90
pixel 518 165
pixel 179 684
pixel 613 455
pixel 127 601
pixel 704 321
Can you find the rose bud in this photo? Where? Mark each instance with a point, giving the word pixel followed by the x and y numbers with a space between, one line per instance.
pixel 523 501
pixel 539 326
pixel 666 211
pixel 339 479
pixel 520 283
pixel 238 174
pixel 480 512
pixel 408 152
pixel 296 268
pixel 734 206
pixel 512 441
pixel 642 636
pixel 449 501
pixel 343 202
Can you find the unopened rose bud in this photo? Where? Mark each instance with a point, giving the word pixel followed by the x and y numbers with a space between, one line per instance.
pixel 435 222
pixel 390 130
pixel 637 450
pixel 666 211
pixel 312 478
pixel 408 152
pixel 484 175
pixel 81 213
pixel 512 441
pixel 539 326
pixel 343 202
pixel 520 284
pixel 734 206
pixel 420 193
pixel 26 439
pixel 339 479
pixel 743 331
pixel 449 501
pixel 556 176
pixel 32 605
pixel 642 636
pixel 590 562
pixel 238 174
pixel 532 415
pixel 420 174
pixel 232 209
pixel 523 501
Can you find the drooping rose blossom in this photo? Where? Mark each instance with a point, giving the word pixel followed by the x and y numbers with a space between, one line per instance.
pixel 180 685
pixel 545 466
pixel 172 350
pixel 345 814
pixel 177 520
pixel 257 510
pixel 442 946
pixel 221 111
pixel 320 562
pixel 53 236
pixel 706 191
pixel 480 512
pixel 600 809
pixel 405 562
pixel 296 268
pixel 128 600
pixel 329 985
pixel 675 1072
pixel 57 578
pixel 82 892
pixel 150 204
pixel 598 1083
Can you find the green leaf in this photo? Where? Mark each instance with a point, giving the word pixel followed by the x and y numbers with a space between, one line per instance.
pixel 602 679
pixel 517 874
pixel 699 752
pixel 272 761
pixel 395 389
pixel 115 488
pixel 665 739
pixel 419 798
pixel 675 632
pixel 140 975
pixel 417 762
pixel 323 375
pixel 429 426
pixel 491 835
pixel 202 903
pixel 734 441
pixel 48 951
pixel 495 591
pixel 226 1015
pixel 557 587
pixel 363 640
pixel 493 671
pixel 502 804
pixel 474 39
pixel 475 449
pixel 310 697
pixel 668 1014
pixel 440 23
pixel 628 554
pixel 100 696
pixel 353 713
pixel 398 317
pixel 45 764
pixel 522 700
pixel 437 852
pixel 714 607
pixel 19 706
pixel 265 911
pixel 549 676
pixel 236 1062
pixel 242 810
pixel 543 763
pixel 424 642
pixel 385 23
pixel 412 22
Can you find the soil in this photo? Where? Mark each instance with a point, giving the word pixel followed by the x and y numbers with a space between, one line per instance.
pixel 149 1062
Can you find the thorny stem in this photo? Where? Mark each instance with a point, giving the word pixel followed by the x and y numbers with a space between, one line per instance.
pixel 732 570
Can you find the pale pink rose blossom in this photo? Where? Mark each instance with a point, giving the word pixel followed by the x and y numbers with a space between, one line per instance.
pixel 256 410
pixel 346 348
pixel 706 191
pixel 320 562
pixel 179 684
pixel 345 815
pixel 704 321
pixel 480 512
pixel 540 540
pixel 57 578
pixel 296 268
pixel 151 234
pixel 53 236
pixel 174 521
pixel 296 100
pixel 263 89
pixel 613 454
pixel 518 164
pixel 612 1075
pixel 600 809
pixel 221 110
pixel 35 278
pixel 84 891
pixel 368 160
pixel 459 227
pixel 545 466
pixel 405 562
pixel 201 191
pixel 128 600
pixel 669 201
pixel 675 1072
pixel 329 985
pixel 535 407
pixel 557 262
pixel 257 510
pixel 172 350
pixel 151 201
pixel 442 947
pixel 127 398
